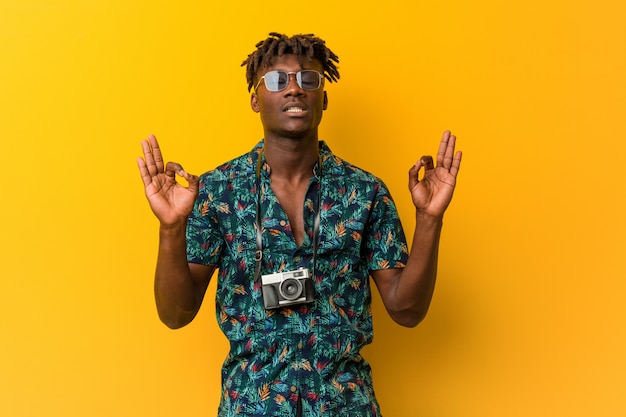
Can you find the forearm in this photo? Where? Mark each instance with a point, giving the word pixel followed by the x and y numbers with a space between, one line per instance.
pixel 414 286
pixel 174 287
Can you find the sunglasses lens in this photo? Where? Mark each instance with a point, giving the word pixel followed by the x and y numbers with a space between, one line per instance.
pixel 279 80
pixel 309 79
pixel 276 80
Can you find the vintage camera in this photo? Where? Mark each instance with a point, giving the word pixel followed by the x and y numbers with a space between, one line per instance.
pixel 287 288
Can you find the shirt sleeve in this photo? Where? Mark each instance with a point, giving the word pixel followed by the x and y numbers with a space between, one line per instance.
pixel 204 240
pixel 385 242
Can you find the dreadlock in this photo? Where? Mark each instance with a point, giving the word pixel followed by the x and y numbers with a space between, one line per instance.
pixel 278 44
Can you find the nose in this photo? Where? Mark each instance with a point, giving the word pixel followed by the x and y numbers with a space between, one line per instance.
pixel 292 85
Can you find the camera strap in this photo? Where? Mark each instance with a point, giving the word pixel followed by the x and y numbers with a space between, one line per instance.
pixel 259 231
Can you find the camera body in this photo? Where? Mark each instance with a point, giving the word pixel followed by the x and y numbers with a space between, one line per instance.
pixel 287 288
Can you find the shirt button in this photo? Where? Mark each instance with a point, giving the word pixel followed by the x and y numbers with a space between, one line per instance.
pixel 283 223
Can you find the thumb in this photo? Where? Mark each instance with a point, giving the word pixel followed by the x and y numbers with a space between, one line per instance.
pixel 192 180
pixel 174 168
pixel 414 174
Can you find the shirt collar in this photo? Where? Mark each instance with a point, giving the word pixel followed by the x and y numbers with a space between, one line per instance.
pixel 326 156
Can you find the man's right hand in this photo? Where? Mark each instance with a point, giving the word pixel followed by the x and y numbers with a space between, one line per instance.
pixel 170 201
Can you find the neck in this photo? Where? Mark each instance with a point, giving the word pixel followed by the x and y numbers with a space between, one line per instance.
pixel 292 159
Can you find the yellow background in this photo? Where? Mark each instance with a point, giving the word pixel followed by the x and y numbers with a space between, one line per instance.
pixel 528 317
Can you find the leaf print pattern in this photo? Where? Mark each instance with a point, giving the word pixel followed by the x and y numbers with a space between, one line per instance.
pixel 308 353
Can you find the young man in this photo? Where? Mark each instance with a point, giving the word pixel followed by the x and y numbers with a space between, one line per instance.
pixel 295 233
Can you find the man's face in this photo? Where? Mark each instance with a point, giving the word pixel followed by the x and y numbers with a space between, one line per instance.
pixel 292 112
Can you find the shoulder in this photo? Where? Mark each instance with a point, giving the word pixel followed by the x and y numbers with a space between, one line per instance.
pixel 338 168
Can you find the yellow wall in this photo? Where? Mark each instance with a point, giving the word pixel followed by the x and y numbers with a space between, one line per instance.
pixel 528 317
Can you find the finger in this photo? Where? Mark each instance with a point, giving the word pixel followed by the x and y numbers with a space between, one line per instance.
pixel 449 153
pixel 151 166
pixel 443 145
pixel 427 162
pixel 456 164
pixel 156 151
pixel 143 171
pixel 173 168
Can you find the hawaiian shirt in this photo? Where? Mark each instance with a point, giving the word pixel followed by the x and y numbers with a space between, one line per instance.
pixel 307 356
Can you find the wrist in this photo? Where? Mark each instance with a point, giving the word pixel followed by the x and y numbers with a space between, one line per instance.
pixel 425 219
pixel 421 215
pixel 173 228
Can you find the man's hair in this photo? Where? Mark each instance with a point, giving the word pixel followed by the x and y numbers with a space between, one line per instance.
pixel 277 44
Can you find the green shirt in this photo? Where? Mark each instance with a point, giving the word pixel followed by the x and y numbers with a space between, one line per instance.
pixel 306 353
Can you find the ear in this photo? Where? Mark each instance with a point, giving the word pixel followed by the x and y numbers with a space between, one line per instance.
pixel 325 105
pixel 254 103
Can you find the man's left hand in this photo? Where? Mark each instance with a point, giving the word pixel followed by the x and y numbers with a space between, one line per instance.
pixel 433 193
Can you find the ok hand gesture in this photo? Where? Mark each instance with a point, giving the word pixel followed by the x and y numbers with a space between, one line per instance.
pixel 170 201
pixel 433 193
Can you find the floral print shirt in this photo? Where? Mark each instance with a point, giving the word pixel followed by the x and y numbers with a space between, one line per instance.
pixel 300 357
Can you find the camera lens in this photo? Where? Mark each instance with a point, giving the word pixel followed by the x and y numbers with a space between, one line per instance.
pixel 290 289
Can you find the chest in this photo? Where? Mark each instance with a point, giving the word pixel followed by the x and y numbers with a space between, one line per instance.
pixel 291 198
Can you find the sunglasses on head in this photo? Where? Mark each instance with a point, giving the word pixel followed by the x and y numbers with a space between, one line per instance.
pixel 279 80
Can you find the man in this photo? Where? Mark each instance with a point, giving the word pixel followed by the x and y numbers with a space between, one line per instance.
pixel 295 232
